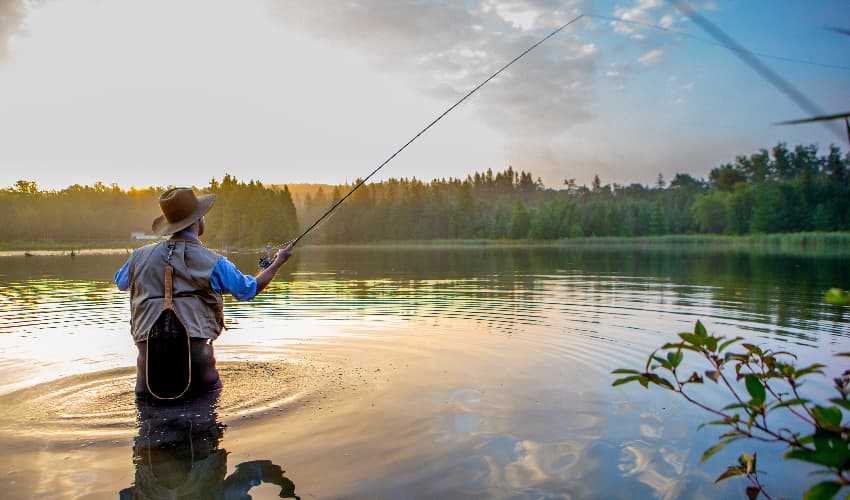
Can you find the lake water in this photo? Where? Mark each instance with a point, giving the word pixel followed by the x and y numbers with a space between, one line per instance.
pixel 404 372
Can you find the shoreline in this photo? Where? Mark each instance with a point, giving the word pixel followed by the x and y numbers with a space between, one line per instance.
pixel 791 241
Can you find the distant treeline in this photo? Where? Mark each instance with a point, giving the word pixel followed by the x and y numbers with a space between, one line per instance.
pixel 780 190
pixel 245 214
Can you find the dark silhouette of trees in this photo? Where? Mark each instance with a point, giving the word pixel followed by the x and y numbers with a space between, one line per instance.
pixel 246 214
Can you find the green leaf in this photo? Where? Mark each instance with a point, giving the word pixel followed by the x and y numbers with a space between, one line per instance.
pixel 699 329
pixel 830 451
pixel 714 449
pixel 649 360
pixel 736 357
pixel 687 347
pixel 658 380
pixel 625 380
pixel 828 418
pixel 823 491
pixel 785 353
pixel 713 422
pixel 624 371
pixel 836 297
pixel 807 439
pixel 692 339
pixel 802 455
pixel 732 471
pixel 756 389
pixel 663 362
pixel 729 342
pixel 815 368
pixel 844 403
pixel 675 358
pixel 791 402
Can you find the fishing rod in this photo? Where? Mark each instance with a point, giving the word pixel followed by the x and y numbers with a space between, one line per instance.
pixel 722 39
pixel 266 261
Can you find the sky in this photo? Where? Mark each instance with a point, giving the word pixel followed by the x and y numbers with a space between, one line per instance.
pixel 162 92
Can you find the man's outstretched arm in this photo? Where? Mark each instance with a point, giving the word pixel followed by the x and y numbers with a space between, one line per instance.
pixel 266 276
pixel 226 278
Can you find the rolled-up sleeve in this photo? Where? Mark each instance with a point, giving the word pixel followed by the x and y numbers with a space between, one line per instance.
pixel 226 278
pixel 122 277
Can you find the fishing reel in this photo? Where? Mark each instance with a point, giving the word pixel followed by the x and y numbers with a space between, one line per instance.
pixel 266 260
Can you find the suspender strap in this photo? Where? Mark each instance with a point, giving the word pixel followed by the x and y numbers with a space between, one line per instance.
pixel 169 299
pixel 169 279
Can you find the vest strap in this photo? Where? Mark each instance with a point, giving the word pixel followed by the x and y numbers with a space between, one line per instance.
pixel 169 276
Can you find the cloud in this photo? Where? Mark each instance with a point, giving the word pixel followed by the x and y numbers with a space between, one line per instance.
pixel 666 21
pixel 639 12
pixel 12 16
pixel 447 47
pixel 652 57
pixel 619 70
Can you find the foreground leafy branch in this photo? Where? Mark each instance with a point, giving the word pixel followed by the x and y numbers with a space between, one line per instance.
pixel 770 388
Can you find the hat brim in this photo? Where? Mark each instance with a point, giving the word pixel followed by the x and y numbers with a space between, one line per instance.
pixel 161 226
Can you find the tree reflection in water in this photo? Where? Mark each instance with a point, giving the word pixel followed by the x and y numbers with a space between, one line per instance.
pixel 177 455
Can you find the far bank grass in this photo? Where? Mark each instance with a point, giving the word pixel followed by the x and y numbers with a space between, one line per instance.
pixel 52 245
pixel 791 241
pixel 836 240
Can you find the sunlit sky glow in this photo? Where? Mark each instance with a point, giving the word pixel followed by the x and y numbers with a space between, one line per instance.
pixel 161 92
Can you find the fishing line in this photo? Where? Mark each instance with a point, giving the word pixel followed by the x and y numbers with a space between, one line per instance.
pixel 763 55
pixel 440 117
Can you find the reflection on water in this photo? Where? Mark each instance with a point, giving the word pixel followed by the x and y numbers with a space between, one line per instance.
pixel 177 455
pixel 403 372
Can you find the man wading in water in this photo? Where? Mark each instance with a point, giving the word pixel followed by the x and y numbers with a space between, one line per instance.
pixel 175 299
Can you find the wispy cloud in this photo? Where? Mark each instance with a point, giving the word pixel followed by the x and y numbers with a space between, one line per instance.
pixel 12 16
pixel 652 57
pixel 639 12
pixel 619 70
pixel 447 47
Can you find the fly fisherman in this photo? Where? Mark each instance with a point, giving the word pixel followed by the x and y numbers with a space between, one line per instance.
pixel 175 299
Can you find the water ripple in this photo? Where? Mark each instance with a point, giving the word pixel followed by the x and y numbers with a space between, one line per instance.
pixel 100 405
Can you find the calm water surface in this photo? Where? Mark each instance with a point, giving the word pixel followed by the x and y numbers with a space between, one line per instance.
pixel 402 372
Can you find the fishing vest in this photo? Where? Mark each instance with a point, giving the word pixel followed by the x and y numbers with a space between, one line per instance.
pixel 196 304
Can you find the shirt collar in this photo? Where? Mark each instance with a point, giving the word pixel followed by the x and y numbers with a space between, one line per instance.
pixel 188 234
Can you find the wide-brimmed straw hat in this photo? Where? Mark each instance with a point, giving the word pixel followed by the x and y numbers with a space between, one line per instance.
pixel 180 209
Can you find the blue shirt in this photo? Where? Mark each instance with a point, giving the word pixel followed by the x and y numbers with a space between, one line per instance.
pixel 225 278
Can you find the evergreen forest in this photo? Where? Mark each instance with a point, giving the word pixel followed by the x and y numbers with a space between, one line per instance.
pixel 772 191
